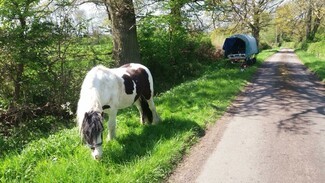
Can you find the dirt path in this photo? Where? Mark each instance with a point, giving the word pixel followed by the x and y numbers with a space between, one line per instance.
pixel 274 132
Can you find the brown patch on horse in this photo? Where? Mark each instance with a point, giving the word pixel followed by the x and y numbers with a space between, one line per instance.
pixel 128 84
pixel 140 77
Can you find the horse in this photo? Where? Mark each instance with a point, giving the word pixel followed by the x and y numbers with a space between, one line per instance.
pixel 106 90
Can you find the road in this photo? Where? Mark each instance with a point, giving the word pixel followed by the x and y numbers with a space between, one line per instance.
pixel 273 132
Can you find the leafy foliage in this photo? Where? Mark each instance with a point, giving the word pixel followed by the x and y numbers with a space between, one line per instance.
pixel 177 55
pixel 43 59
pixel 317 48
pixel 300 20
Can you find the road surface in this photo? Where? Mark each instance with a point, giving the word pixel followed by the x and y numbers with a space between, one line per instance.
pixel 274 132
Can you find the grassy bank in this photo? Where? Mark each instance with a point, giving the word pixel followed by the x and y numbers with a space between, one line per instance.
pixel 315 63
pixel 140 153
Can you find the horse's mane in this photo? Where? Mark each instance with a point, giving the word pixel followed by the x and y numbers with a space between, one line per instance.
pixel 92 126
pixel 89 96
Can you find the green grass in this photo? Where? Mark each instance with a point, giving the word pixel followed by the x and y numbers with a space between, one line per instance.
pixel 314 63
pixel 140 153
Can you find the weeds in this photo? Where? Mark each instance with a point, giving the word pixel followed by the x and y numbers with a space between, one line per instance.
pixel 315 64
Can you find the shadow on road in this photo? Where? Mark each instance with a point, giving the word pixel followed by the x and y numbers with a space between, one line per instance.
pixel 286 92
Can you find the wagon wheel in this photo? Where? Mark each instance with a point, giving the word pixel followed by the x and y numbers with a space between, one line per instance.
pixel 253 60
pixel 248 61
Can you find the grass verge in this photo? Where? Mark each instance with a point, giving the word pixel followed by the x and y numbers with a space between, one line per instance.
pixel 315 64
pixel 140 153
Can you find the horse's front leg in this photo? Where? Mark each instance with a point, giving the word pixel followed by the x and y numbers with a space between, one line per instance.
pixel 112 124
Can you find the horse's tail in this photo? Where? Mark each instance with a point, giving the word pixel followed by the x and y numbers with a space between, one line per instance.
pixel 146 112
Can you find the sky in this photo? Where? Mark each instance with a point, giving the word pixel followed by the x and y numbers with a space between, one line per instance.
pixel 97 14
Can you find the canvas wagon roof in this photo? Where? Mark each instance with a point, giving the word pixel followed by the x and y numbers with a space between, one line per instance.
pixel 250 43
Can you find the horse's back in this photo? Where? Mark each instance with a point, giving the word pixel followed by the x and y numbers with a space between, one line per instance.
pixel 97 78
pixel 121 86
pixel 131 67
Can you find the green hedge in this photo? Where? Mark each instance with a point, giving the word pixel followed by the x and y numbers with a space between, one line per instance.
pixel 318 48
pixel 288 45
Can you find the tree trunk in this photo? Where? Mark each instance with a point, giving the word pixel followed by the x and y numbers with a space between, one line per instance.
pixel 256 23
pixel 309 22
pixel 175 28
pixel 18 82
pixel 126 48
pixel 256 34
pixel 20 65
pixel 317 22
pixel 176 13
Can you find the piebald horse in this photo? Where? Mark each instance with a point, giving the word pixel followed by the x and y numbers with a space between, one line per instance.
pixel 108 90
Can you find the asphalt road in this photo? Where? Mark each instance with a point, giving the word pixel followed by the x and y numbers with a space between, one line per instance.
pixel 274 132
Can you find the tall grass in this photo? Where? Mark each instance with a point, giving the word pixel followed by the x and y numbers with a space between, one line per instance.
pixel 315 63
pixel 140 153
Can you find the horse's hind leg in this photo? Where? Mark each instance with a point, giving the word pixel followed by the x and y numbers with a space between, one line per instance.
pixel 147 111
pixel 152 107
pixel 111 124
pixel 138 105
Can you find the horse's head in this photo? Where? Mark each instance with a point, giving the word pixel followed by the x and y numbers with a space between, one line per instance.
pixel 92 130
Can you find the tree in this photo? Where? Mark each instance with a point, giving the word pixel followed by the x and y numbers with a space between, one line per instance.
pixel 314 10
pixel 18 24
pixel 251 14
pixel 283 23
pixel 299 20
pixel 123 27
pixel 124 30
pixel 34 41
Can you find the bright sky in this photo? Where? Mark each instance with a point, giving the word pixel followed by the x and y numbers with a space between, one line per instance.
pixel 92 10
pixel 97 14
